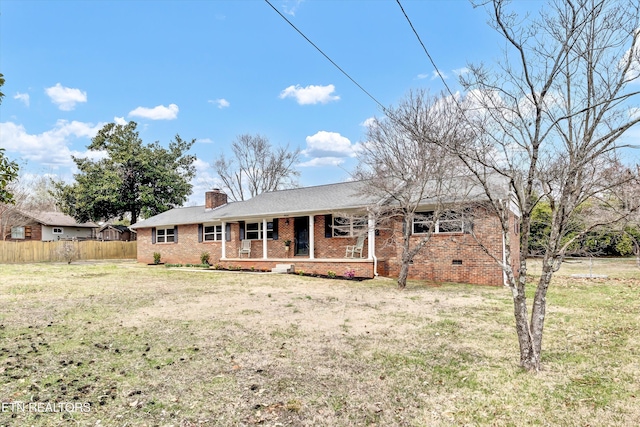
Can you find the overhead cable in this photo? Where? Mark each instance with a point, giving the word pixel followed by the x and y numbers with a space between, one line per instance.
pixel 326 56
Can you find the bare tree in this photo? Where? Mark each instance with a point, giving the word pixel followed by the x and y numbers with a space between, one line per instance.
pixel 405 172
pixel 10 215
pixel 31 194
pixel 549 119
pixel 256 167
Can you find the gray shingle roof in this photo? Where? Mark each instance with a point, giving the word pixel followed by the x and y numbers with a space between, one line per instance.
pixel 59 219
pixel 340 197
pixel 298 201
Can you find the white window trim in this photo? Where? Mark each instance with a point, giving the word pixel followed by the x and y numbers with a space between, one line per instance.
pixel 258 231
pixel 436 229
pixel 163 237
pixel 216 233
pixel 353 226
pixel 53 230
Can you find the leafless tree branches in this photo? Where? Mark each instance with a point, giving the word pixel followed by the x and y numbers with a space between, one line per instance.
pixel 549 119
pixel 256 167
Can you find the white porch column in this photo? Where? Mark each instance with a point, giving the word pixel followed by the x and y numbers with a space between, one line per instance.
pixel 264 239
pixel 312 243
pixel 371 240
pixel 223 254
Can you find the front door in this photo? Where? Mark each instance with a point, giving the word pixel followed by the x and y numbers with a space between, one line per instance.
pixel 301 234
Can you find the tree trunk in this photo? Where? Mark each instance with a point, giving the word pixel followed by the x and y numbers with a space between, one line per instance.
pixel 529 352
pixel 402 277
pixel 134 215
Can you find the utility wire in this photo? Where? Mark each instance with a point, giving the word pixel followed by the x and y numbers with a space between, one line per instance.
pixel 326 56
pixel 426 51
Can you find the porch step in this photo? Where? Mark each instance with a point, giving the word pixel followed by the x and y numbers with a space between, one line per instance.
pixel 283 268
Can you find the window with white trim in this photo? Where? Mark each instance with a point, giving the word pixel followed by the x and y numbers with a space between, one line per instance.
pixel 348 226
pixel 212 233
pixel 58 230
pixel 447 222
pixel 17 232
pixel 253 230
pixel 165 235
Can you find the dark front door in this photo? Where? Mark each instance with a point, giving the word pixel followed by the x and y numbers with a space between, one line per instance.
pixel 301 233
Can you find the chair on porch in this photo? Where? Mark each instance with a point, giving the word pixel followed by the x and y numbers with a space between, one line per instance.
pixel 352 250
pixel 245 248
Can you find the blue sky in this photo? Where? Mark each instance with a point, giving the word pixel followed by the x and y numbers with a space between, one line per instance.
pixel 212 70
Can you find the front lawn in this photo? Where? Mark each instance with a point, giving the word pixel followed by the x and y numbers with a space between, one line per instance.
pixel 136 345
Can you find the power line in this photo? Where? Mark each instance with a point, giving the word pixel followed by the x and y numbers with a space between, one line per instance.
pixel 326 56
pixel 425 49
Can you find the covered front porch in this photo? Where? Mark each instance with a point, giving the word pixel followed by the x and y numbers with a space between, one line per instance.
pixel 307 239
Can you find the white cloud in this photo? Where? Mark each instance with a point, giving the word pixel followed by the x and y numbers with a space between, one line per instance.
pixel 461 71
pixel 203 181
pixel 156 113
pixel 435 74
pixel 328 148
pixel 23 97
pixel 205 141
pixel 291 6
pixel 119 121
pixel 50 148
pixel 423 76
pixel 632 56
pixel 311 94
pixel 220 102
pixel 322 161
pixel 371 121
pixel 65 97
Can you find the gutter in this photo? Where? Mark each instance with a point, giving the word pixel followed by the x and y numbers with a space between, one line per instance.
pixel 504 257
pixel 372 244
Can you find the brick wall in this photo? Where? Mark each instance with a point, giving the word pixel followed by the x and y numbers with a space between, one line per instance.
pixel 450 257
pixel 454 257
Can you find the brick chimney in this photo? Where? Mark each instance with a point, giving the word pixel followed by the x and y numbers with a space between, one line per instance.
pixel 214 198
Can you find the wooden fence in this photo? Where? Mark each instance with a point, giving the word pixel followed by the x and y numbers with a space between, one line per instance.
pixel 23 252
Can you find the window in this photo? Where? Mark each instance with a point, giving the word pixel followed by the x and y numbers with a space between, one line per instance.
pixel 57 230
pixel 253 230
pixel 447 222
pixel 348 226
pixel 212 233
pixel 165 235
pixel 17 232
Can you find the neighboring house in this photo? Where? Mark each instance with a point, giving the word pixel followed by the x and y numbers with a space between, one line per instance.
pixel 47 226
pixel 323 224
pixel 115 232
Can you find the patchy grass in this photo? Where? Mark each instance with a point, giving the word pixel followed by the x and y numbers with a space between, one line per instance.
pixel 152 346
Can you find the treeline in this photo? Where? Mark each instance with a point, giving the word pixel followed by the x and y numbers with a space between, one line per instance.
pixel 610 241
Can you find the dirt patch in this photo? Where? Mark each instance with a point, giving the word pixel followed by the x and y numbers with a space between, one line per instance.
pixel 315 305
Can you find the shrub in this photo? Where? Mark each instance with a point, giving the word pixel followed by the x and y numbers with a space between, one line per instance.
pixel 156 257
pixel 350 273
pixel 204 258
pixel 331 274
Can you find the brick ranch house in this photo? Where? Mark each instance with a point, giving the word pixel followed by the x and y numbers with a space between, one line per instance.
pixel 320 222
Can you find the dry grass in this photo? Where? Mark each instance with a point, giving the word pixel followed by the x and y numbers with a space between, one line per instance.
pixel 152 346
